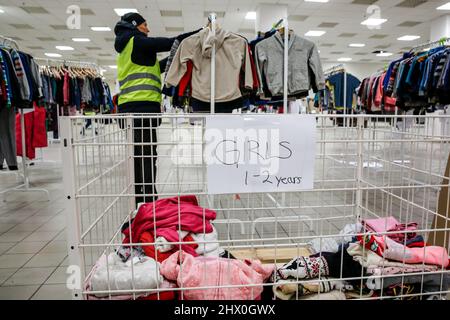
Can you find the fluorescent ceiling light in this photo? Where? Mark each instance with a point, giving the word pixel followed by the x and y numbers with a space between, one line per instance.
pixel 345 59
pixel 321 1
pixel 357 45
pixel 121 12
pixel 251 15
pixel 113 67
pixel 373 22
pixel 444 7
pixel 408 38
pixel 53 55
pixel 384 54
pixel 2 11
pixel 100 28
pixel 65 48
pixel 81 39
pixel 315 33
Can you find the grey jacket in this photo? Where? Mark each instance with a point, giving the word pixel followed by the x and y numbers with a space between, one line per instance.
pixel 305 68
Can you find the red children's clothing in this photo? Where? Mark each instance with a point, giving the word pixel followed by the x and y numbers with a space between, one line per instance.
pixel 167 216
pixel 35 132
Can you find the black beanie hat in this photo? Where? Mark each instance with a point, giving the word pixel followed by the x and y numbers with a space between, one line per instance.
pixel 134 18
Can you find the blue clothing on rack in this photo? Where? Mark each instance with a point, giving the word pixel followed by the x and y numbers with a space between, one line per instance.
pixel 337 80
pixel 8 80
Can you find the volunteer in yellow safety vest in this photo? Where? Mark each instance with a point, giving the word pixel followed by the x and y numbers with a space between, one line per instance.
pixel 139 77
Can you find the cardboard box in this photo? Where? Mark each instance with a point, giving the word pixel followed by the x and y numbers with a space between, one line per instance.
pixel 441 238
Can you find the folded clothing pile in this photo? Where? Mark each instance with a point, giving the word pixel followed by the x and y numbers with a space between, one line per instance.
pixel 314 277
pixel 406 232
pixel 167 222
pixel 111 274
pixel 218 274
pixel 398 261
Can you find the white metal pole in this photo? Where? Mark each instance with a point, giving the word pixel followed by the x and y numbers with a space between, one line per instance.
pixel 24 150
pixel 58 115
pixel 286 61
pixel 73 213
pixel 212 18
pixel 345 97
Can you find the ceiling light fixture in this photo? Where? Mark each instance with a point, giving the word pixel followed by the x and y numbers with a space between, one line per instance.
pixel 81 40
pixel 100 29
pixel 357 45
pixel 408 38
pixel 53 55
pixel 444 7
pixel 315 33
pixel 384 54
pixel 64 48
pixel 251 15
pixel 113 67
pixel 122 11
pixel 2 11
pixel 373 22
pixel 345 59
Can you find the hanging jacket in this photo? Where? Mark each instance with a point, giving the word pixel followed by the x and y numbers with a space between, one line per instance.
pixel 231 57
pixel 20 73
pixel 337 80
pixel 26 66
pixel 6 81
pixel 14 85
pixel 305 68
pixel 36 78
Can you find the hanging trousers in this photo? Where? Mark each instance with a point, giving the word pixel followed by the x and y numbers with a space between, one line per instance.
pixel 8 137
pixel 145 158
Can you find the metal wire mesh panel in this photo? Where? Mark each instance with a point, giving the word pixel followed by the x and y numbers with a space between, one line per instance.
pixel 314 244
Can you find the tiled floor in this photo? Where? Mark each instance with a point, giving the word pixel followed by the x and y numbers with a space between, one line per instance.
pixel 33 247
pixel 32 235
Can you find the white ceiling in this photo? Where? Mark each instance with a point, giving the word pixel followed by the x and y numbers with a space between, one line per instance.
pixel 346 14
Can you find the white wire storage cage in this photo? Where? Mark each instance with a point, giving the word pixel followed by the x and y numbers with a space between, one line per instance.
pixel 370 167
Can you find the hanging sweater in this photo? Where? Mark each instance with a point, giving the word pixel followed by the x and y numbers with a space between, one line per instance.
pixel 231 57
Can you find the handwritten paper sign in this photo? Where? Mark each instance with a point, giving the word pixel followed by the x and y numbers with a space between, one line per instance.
pixel 260 153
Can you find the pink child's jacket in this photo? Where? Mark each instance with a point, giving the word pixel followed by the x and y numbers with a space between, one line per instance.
pixel 214 272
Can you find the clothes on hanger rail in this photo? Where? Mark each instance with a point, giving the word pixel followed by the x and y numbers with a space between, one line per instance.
pixel 341 88
pixel 20 86
pixel 305 68
pixel 232 58
pixel 416 81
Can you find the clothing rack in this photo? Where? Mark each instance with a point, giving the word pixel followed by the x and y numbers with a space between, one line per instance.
pixel 286 69
pixel 8 42
pixel 68 63
pixel 336 68
pixel 213 20
pixel 25 186
pixel 339 68
pixel 441 41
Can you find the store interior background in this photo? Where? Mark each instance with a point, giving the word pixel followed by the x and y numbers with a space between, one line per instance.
pixel 33 252
pixel 39 26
